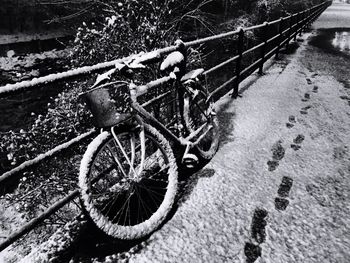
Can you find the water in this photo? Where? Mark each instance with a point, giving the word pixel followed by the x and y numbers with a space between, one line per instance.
pixel 34 46
pixel 341 41
pixel 15 110
pixel 333 40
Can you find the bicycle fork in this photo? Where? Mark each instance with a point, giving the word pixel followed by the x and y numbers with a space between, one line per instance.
pixel 134 173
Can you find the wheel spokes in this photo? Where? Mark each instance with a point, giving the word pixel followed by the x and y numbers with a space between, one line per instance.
pixel 122 198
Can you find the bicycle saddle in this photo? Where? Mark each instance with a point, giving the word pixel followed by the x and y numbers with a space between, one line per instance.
pixel 193 74
pixel 173 60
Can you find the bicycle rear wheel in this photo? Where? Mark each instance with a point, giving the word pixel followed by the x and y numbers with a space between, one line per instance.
pixel 199 113
pixel 128 194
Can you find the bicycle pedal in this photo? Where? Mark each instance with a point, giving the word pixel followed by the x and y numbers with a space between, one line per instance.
pixel 190 160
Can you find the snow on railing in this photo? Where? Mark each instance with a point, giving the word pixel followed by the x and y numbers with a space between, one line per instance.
pixel 296 23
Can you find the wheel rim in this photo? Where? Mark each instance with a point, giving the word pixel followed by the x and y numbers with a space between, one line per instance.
pixel 120 196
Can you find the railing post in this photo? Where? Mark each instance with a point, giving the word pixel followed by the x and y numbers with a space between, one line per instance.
pixel 280 33
pixel 238 62
pixel 290 30
pixel 313 15
pixel 296 27
pixel 307 20
pixel 302 23
pixel 264 47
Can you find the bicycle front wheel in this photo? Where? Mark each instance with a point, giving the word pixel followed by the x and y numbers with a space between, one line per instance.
pixel 128 183
pixel 199 115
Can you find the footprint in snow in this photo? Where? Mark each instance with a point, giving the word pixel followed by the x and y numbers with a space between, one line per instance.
pixel 281 202
pixel 258 225
pixel 309 81
pixel 252 250
pixel 295 147
pixel 297 141
pixel 289 125
pixel 315 89
pixel 305 109
pixel 285 187
pixel 277 155
pixel 306 97
pixel 291 122
pixel 292 119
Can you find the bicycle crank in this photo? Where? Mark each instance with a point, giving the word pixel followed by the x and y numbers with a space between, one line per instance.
pixel 189 160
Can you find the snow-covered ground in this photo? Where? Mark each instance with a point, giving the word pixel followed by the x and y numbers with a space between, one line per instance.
pixel 279 185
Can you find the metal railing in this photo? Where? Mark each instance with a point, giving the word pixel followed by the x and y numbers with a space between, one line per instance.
pixel 288 28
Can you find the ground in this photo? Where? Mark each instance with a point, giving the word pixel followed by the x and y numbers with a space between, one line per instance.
pixel 278 188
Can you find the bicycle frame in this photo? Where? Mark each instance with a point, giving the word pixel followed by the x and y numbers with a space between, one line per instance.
pixel 140 114
pixel 138 110
pixel 163 129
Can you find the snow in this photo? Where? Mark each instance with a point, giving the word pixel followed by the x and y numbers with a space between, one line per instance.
pixel 111 20
pixel 173 59
pixel 134 60
pixel 214 218
pixel 105 76
pixel 53 77
pixel 10 220
pixel 10 53
pixel 148 56
pixel 192 74
pixel 57 243
pixel 336 16
pixel 45 155
pixel 10 62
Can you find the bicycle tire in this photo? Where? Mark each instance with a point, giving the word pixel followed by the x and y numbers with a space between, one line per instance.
pixel 158 180
pixel 195 114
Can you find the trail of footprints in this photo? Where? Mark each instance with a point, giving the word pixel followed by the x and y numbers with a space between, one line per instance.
pixel 252 249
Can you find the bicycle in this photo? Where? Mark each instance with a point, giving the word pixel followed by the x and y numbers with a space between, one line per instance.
pixel 128 174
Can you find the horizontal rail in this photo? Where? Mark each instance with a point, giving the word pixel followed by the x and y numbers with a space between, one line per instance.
pixel 44 156
pixel 222 64
pixel 22 86
pixel 216 91
pixel 211 38
pixel 276 21
pixel 296 27
pixel 254 27
pixel 156 99
pixel 250 67
pixel 141 90
pixel 10 88
pixel 39 219
pixel 253 49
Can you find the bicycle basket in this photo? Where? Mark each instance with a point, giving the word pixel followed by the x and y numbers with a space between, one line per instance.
pixel 109 104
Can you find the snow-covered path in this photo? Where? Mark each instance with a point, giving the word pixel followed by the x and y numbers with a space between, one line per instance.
pixel 278 190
